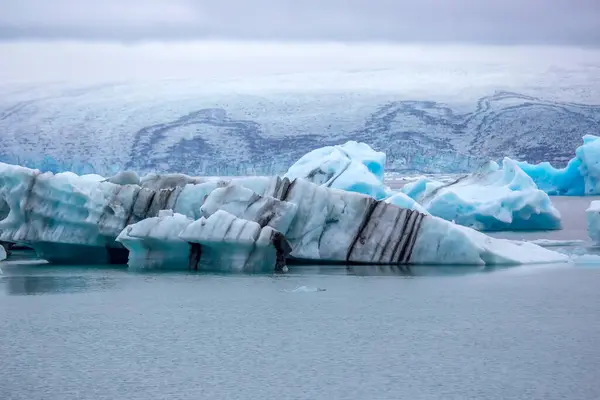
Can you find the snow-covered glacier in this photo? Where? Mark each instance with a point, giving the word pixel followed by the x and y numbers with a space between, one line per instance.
pixel 234 129
pixel 68 218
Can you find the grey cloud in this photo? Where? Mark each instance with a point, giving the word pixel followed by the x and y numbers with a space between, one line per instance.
pixel 473 21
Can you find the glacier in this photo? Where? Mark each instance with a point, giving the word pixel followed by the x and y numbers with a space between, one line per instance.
pixel 226 128
pixel 580 177
pixel 491 199
pixel 68 218
pixel 593 221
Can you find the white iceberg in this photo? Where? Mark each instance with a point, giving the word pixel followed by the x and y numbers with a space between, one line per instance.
pixel 220 242
pixel 353 166
pixel 494 198
pixel 67 218
pixel 404 201
pixel 154 242
pixel 226 243
pixel 593 221
pixel 580 177
pixel 336 226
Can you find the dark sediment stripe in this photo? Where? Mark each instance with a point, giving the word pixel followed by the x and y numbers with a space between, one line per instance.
pixel 144 214
pixel 282 248
pixel 409 228
pixel 399 239
pixel 170 205
pixel 366 244
pixel 286 189
pixel 130 213
pixel 370 208
pixel 378 256
pixel 413 239
pixel 195 255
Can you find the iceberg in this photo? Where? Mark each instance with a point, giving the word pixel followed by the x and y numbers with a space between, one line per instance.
pixel 154 242
pixel 404 201
pixel 353 166
pixel 3 253
pixel 67 218
pixel 580 177
pixel 220 242
pixel 593 221
pixel 491 199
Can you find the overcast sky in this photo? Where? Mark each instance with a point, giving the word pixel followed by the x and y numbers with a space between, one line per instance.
pixel 575 22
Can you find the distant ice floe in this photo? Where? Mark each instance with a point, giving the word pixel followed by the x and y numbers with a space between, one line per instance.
pixel 579 178
pixel 593 221
pixel 491 199
pixel 245 224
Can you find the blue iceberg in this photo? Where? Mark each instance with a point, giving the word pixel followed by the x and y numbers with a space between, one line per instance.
pixel 581 176
pixel 491 199
pixel 353 166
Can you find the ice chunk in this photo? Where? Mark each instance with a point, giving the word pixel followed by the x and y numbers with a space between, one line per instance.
pixel 442 242
pixel 353 167
pixel 125 178
pixel 404 201
pixel 3 254
pixel 224 242
pixel 580 177
pixel 154 242
pixel 491 199
pixel 593 221
pixel 587 259
pixel 246 204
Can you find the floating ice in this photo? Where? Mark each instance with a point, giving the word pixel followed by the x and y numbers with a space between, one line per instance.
pixel 353 166
pixel 593 221
pixel 154 242
pixel 226 243
pixel 67 218
pixel 587 259
pixel 306 289
pixel 557 243
pixel 580 177
pixel 404 201
pixel 3 254
pixel 491 199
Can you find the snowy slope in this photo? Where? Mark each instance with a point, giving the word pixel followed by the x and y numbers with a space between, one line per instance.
pixel 425 116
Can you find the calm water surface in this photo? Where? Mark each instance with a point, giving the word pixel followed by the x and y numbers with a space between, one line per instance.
pixel 450 333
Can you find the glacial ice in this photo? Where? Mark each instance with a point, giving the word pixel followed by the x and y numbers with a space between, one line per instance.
pixel 3 254
pixel 493 198
pixel 220 242
pixel 227 243
pixel 593 221
pixel 580 177
pixel 67 218
pixel 353 166
pixel 154 242
pixel 404 201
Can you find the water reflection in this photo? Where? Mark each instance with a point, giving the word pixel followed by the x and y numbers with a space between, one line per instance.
pixel 393 270
pixel 23 279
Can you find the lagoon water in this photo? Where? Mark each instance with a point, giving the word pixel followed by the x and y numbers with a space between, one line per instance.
pixel 530 332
